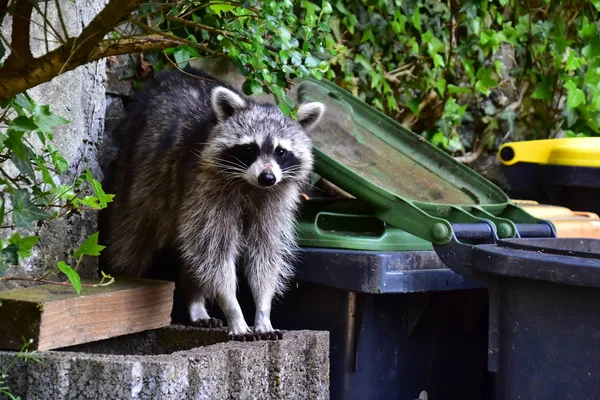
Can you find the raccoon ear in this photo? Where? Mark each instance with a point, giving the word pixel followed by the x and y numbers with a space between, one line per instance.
pixel 309 114
pixel 226 102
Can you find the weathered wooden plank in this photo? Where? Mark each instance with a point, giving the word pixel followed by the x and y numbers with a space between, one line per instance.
pixel 55 316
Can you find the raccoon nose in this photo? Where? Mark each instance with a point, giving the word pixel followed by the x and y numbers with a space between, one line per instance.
pixel 266 178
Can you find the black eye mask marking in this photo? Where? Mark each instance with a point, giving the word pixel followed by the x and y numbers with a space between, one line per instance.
pixel 240 155
pixel 286 159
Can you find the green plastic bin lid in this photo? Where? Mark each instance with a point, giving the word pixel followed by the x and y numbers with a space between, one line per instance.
pixel 412 184
pixel 349 224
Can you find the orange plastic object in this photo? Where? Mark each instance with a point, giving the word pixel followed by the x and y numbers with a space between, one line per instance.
pixel 568 223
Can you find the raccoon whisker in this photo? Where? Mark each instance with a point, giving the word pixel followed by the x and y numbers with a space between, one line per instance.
pixel 231 164
pixel 226 167
pixel 240 165
pixel 292 169
pixel 240 161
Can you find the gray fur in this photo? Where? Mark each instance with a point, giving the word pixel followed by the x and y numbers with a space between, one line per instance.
pixel 172 190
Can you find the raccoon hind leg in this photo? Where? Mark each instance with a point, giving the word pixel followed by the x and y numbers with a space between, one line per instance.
pixel 196 305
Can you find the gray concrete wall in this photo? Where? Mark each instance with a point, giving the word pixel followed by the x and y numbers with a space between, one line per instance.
pixel 78 96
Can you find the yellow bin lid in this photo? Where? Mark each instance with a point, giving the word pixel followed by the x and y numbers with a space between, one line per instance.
pixel 575 152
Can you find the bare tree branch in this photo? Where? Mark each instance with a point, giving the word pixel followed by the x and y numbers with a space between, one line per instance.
pixel 114 12
pixel 131 44
pixel 21 51
pixel 19 75
pixel 58 61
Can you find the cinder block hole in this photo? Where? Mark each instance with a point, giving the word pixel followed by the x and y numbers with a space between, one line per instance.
pixel 155 342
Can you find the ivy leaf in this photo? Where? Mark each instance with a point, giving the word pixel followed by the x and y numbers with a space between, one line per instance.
pixel 440 140
pixel 413 105
pixel 45 120
pixel 14 141
pixel 90 247
pixel 23 124
pixel 326 7
pixel 218 8
pixel 575 96
pixel 8 255
pixel 23 244
pixel 97 187
pixel 440 85
pixel 24 211
pixel 434 45
pixel 543 91
pixel 73 276
pixel 182 57
pixel 574 62
pixel 59 161
pixel 484 80
pixel 311 62
pixel 469 69
pixel 45 172
pixel 24 101
pixel 415 19
pixel 24 166
pixel 453 89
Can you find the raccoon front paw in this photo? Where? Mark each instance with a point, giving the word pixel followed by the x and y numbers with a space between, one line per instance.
pixel 265 331
pixel 243 337
pixel 208 323
pixel 272 335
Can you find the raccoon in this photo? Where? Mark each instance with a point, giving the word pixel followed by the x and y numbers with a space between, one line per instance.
pixel 218 177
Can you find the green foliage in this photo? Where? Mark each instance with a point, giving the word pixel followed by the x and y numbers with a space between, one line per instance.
pixel 270 42
pixel 489 69
pixel 24 354
pixel 29 168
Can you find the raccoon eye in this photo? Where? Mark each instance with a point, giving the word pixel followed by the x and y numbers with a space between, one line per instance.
pixel 249 149
pixel 279 152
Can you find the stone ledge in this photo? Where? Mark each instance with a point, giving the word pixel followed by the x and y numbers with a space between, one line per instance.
pixel 178 362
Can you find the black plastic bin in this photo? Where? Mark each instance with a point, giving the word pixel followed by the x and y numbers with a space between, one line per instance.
pixel 544 320
pixel 400 323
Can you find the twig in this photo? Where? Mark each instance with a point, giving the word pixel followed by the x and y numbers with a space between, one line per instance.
pixel 61 19
pixel 393 77
pixel 473 156
pixel 519 101
pixel 47 23
pixel 174 39
pixel 11 179
pixel 36 280
pixel 411 118
pixel 174 64
pixel 227 34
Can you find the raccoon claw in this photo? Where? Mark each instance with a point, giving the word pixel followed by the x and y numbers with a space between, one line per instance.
pixel 208 323
pixel 273 335
pixel 243 337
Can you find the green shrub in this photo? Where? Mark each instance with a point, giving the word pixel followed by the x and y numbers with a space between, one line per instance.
pixel 474 73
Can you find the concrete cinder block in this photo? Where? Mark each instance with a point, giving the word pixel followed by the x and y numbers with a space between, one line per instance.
pixel 178 362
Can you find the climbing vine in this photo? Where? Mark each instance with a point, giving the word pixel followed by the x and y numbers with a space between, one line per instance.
pixel 35 187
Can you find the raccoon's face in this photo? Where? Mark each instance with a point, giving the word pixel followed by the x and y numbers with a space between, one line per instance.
pixel 258 143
